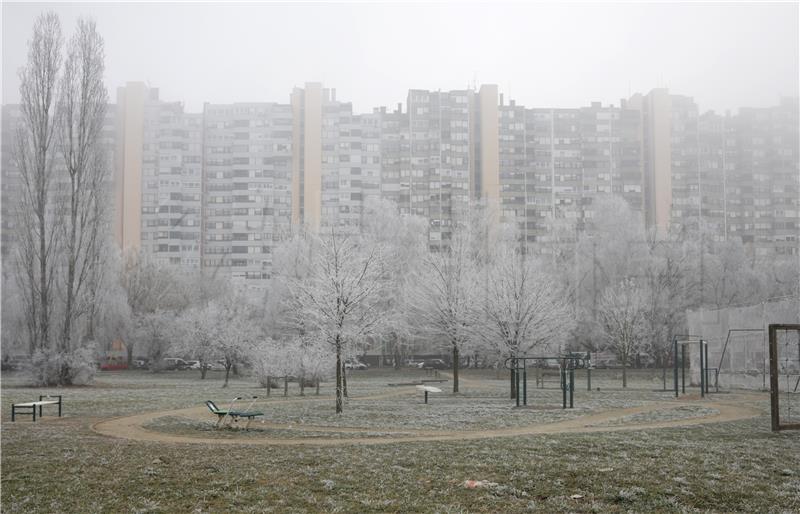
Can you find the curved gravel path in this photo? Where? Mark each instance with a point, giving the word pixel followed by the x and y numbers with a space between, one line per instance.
pixel 132 427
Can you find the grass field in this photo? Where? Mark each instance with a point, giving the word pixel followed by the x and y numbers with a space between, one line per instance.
pixel 62 465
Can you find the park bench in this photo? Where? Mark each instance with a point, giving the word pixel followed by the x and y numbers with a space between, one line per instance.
pixel 30 407
pixel 428 389
pixel 232 414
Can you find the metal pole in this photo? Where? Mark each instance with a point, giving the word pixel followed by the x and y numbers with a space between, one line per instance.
pixel 683 369
pixel 588 371
pixel 571 386
pixel 702 379
pixel 524 382
pixel 426 396
pixel 706 370
pixel 675 363
pixel 563 386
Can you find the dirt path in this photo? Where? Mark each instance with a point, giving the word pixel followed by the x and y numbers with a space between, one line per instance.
pixel 132 427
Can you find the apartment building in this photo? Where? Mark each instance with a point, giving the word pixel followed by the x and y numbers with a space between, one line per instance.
pixel 217 190
pixel 246 187
pixel 722 176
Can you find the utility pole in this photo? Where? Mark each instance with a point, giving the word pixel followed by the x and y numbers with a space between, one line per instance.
pixel 594 280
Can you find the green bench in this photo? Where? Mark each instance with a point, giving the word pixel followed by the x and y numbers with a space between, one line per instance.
pixel 232 414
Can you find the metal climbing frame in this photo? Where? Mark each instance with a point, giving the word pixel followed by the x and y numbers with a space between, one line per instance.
pixel 774 392
pixel 704 369
pixel 567 366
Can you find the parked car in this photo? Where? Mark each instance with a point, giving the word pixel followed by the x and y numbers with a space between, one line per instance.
pixel 193 364
pixel 411 363
pixel 14 363
pixel 434 364
pixel 215 366
pixel 174 363
pixel 354 364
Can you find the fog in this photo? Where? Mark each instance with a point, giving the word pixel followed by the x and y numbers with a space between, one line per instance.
pixel 400 257
pixel 724 55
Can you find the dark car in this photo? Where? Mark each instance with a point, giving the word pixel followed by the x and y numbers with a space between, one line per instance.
pixel 434 364
pixel 174 363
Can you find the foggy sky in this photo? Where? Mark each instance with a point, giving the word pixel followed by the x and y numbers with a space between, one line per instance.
pixel 545 55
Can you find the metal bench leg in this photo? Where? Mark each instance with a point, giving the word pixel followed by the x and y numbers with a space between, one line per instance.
pixel 247 426
pixel 13 412
pixel 34 413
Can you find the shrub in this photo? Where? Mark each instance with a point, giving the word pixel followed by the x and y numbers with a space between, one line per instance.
pixel 56 368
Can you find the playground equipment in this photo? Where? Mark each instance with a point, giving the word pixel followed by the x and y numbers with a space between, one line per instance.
pixel 745 355
pixel 567 365
pixel 233 415
pixel 688 339
pixel 784 359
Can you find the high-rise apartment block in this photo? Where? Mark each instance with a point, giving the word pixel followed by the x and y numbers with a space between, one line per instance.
pixel 217 190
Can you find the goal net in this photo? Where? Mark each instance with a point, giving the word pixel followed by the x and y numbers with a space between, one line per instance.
pixel 784 342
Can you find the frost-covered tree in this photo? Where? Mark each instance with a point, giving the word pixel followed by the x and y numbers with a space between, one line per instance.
pixel 82 107
pixel 667 295
pixel 147 287
pixel 622 313
pixel 39 231
pixel 339 298
pixel 404 239
pixel 443 296
pixel 237 331
pixel 522 309
pixel 196 334
pixel 154 331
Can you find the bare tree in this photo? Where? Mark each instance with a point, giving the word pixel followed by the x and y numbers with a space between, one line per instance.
pixel 339 298
pixel 82 107
pixel 35 152
pixel 622 316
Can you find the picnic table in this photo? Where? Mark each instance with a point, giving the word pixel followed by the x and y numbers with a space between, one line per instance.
pixel 30 407
pixel 428 389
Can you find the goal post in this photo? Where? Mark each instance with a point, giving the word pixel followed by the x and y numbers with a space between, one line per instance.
pixel 784 361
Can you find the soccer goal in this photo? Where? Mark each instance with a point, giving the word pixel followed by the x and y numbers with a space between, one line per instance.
pixel 784 376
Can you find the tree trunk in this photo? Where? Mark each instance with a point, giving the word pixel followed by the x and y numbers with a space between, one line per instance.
pixel 44 317
pixel 302 384
pixel 317 386
pixel 344 381
pixel 285 385
pixel 227 374
pixel 624 373
pixel 203 370
pixel 455 368
pixel 664 374
pixel 66 336
pixel 269 385
pixel 338 377
pixel 129 349
pixel 513 384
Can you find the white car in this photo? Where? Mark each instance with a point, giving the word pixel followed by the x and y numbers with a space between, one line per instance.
pixel 193 364
pixel 349 364
pixel 215 366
